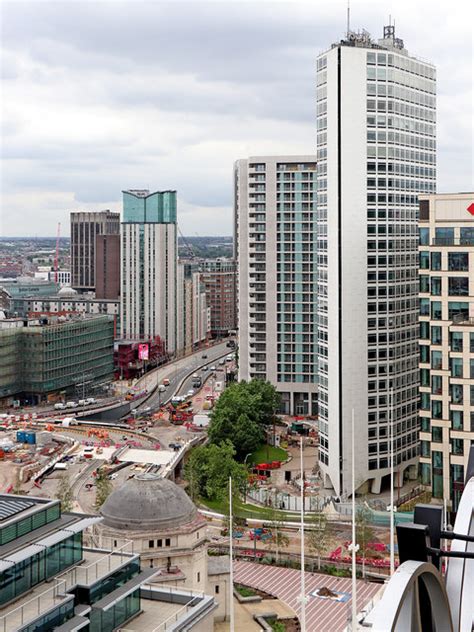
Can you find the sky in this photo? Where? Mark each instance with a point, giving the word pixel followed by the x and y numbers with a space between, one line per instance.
pixel 98 97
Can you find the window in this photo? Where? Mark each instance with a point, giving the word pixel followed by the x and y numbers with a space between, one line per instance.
pixel 425 401
pixel 424 306
pixel 151 544
pixel 436 286
pixel 458 261
pixel 457 421
pixel 424 377
pixel 424 330
pixel 457 447
pixel 456 367
pixel 458 312
pixel 168 542
pixel 159 543
pixel 456 341
pixel 198 577
pixel 424 260
pixel 425 448
pixel 467 236
pixel 457 393
pixel 436 410
pixel 457 286
pixel 425 424
pixel 424 236
pixel 444 236
pixel 437 384
pixel 424 283
pixel 216 590
pixel 437 434
pixel 436 335
pixel 436 313
pixel 436 261
pixel 424 353
pixel 436 360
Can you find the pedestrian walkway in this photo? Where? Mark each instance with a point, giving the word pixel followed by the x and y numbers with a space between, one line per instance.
pixel 322 614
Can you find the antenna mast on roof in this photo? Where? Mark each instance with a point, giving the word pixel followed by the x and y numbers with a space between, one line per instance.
pixel 348 17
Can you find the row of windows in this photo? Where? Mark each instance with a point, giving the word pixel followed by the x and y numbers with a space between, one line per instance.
pixel 405 124
pixel 404 63
pixel 405 109
pixel 457 286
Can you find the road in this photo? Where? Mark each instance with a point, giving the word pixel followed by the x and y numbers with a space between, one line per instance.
pixel 177 371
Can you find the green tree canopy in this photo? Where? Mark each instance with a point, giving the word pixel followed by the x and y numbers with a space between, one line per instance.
pixel 208 470
pixel 241 413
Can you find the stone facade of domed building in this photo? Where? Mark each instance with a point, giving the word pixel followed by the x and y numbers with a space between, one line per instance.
pixel 168 532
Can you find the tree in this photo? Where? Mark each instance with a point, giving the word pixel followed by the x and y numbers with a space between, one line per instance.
pixel 364 531
pixel 318 536
pixel 17 484
pixel 65 493
pixel 279 538
pixel 103 488
pixel 241 414
pixel 209 468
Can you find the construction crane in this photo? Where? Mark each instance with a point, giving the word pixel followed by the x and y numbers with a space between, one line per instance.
pixel 188 247
pixel 56 258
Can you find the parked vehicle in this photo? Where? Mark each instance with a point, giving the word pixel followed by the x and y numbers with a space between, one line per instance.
pixel 190 393
pixel 229 358
pixel 204 368
pixel 213 368
pixel 82 402
pixel 91 400
pixel 222 362
pixel 166 382
pixel 71 404
pixel 59 406
pixel 204 356
pixel 162 388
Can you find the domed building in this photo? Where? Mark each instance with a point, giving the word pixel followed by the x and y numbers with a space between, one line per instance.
pixel 165 527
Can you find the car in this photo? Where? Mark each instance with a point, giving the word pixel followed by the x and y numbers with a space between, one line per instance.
pixel 59 406
pixel 113 476
pixel 162 388
pixel 213 368
pixel 71 404
pixel 204 368
pixel 91 400
pixel 222 362
pixel 82 402
pixel 204 356
pixel 166 382
pixel 229 358
pixel 190 393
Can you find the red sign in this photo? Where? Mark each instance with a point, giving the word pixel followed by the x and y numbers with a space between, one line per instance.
pixel 470 208
pixel 143 351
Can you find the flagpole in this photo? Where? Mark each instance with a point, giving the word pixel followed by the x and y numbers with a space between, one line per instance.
pixel 353 547
pixel 392 516
pixel 231 551
pixel 303 588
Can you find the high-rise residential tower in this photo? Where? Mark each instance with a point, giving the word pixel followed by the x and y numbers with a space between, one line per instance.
pixel 275 244
pixel 376 149
pixel 446 342
pixel 149 259
pixel 219 276
pixel 85 227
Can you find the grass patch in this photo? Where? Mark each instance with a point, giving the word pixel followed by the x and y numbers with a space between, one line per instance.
pixel 266 454
pixel 277 626
pixel 244 591
pixel 241 510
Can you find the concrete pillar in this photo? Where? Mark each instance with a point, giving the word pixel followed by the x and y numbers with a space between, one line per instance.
pixel 376 485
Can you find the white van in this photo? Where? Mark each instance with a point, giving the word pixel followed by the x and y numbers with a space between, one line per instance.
pixel 162 388
pixel 71 404
pixel 59 406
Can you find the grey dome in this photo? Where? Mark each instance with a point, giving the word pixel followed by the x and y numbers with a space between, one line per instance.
pixel 148 502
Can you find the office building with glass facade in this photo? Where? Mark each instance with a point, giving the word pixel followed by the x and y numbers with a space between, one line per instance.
pixel 446 274
pixel 148 266
pixel 376 151
pixel 50 354
pixel 51 579
pixel 275 247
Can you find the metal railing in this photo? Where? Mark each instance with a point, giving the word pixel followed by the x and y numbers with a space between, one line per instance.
pixel 36 605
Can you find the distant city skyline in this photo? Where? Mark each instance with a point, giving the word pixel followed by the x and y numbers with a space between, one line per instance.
pixel 89 108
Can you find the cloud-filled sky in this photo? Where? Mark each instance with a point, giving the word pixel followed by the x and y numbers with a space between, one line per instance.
pixel 103 96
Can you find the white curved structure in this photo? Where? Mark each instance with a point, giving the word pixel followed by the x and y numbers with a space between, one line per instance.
pixel 399 609
pixel 460 573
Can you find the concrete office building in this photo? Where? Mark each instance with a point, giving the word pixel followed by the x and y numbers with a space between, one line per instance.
pixel 107 267
pixel 275 241
pixel 148 266
pixel 85 227
pixel 446 342
pixel 376 149
pixel 219 277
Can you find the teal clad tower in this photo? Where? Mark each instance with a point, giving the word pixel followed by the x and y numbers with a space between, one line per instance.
pixel 148 263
